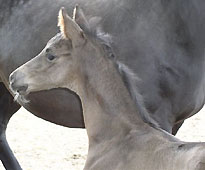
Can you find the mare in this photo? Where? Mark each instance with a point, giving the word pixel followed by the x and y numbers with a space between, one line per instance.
pixel 162 41
pixel 118 137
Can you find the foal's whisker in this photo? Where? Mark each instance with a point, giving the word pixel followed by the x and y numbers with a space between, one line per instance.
pixel 16 96
pixel 20 98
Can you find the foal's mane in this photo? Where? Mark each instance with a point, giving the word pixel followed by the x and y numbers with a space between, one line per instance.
pixel 130 79
pixel 131 82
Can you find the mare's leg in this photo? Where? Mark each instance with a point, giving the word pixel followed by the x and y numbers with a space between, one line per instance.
pixel 7 108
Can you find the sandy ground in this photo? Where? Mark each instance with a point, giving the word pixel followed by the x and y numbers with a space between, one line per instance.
pixel 40 145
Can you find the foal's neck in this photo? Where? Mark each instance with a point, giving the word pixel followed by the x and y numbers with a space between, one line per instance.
pixel 107 105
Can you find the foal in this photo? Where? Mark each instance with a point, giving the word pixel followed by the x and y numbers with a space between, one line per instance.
pixel 118 139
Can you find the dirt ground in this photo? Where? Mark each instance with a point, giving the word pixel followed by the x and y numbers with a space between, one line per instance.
pixel 40 145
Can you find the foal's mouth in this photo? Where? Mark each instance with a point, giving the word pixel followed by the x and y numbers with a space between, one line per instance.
pixel 20 94
pixel 21 98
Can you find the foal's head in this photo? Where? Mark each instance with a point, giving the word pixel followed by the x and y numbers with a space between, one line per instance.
pixel 61 62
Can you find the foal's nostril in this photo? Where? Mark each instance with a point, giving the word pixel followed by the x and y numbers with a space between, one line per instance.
pixel 16 80
pixel 18 88
pixel 22 88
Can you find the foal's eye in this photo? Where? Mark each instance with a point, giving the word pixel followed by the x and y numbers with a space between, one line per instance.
pixel 50 57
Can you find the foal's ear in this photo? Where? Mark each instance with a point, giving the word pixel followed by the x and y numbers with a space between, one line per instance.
pixel 80 19
pixel 69 28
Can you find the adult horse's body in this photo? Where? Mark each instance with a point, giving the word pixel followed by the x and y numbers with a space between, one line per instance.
pixel 118 137
pixel 163 41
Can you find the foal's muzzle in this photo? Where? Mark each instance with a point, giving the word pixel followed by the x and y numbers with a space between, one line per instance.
pixel 16 83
